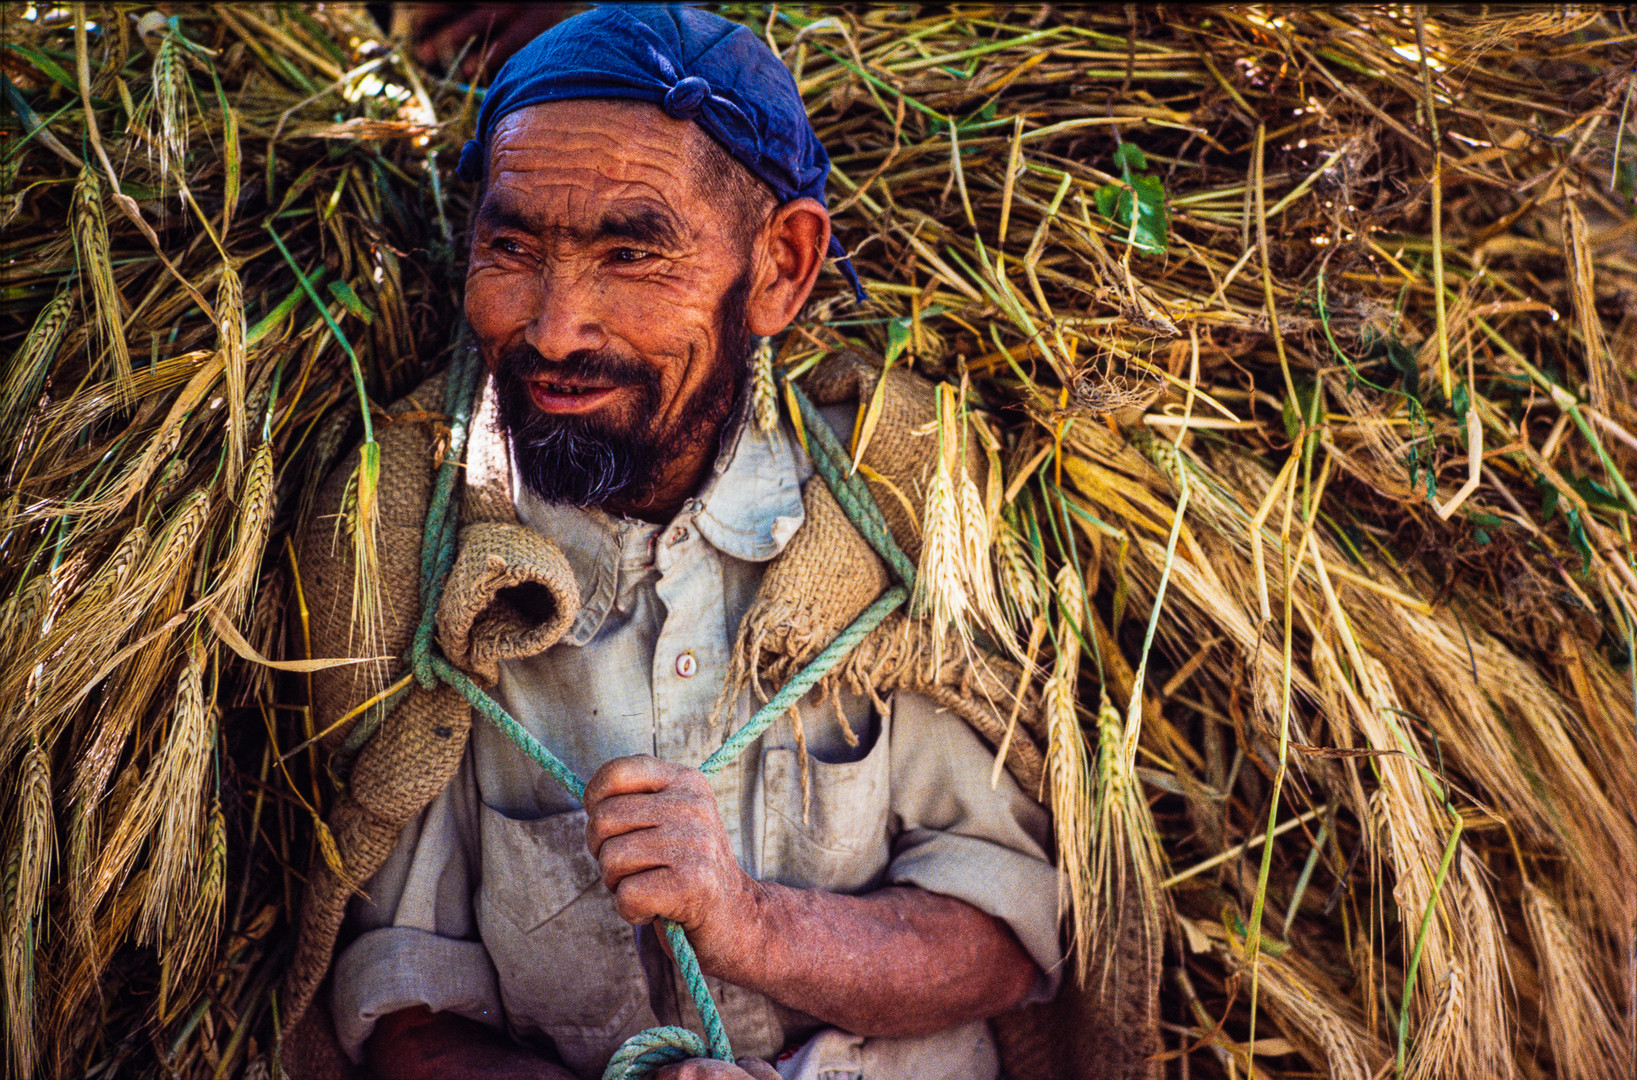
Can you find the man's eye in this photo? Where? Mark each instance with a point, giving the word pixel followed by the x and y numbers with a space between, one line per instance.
pixel 630 255
pixel 509 246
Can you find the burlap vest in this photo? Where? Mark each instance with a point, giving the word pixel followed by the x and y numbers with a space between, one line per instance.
pixel 511 594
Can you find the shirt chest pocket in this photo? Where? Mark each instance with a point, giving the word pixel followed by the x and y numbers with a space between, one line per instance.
pixel 842 842
pixel 567 964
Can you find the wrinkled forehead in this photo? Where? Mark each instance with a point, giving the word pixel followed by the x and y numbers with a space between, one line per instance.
pixel 618 141
pixel 567 165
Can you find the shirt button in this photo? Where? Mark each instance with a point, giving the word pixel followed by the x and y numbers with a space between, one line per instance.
pixel 686 665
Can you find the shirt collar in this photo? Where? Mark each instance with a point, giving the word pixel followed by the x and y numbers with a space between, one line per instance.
pixel 751 505
pixel 748 509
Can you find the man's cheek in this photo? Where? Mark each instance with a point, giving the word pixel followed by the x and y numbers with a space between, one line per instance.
pixel 496 306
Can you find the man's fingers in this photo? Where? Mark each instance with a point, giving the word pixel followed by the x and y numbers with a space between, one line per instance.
pixel 617 815
pixel 636 774
pixel 442 45
pixel 650 894
pixel 633 853
pixel 429 18
pixel 497 31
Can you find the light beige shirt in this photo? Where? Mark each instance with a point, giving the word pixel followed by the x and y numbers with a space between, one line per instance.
pixel 492 908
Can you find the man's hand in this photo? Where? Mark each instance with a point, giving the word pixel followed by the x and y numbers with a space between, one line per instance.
pixel 900 961
pixel 710 1069
pixel 495 31
pixel 655 829
pixel 419 1044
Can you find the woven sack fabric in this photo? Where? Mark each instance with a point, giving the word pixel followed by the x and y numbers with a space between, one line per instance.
pixel 511 594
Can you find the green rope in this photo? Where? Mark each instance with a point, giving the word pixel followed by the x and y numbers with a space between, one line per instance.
pixel 656 1047
pixel 653 1049
pixel 835 465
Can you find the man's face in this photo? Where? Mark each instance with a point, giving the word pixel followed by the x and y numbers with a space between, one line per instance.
pixel 606 292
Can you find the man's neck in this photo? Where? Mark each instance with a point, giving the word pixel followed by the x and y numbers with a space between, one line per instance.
pixel 683 476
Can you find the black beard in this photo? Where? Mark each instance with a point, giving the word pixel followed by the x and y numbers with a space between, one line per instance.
pixel 599 459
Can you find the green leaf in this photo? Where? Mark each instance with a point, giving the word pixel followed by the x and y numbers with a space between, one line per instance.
pixel 1402 358
pixel 1292 418
pixel 1153 220
pixel 1548 499
pixel 47 66
pixel 899 331
pixel 1295 412
pixel 1577 534
pixel 1144 193
pixel 1594 493
pixel 343 292
pixel 1107 197
pixel 1130 158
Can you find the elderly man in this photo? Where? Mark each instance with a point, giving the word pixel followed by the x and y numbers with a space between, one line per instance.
pixel 861 896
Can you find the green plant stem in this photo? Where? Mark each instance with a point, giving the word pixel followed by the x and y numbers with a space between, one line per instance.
pixel 1421 939
pixel 346 346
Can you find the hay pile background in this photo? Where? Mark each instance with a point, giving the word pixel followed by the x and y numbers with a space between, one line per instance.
pixel 1309 362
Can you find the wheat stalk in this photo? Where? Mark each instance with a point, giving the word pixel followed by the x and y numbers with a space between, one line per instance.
pixel 171 805
pixel 1068 771
pixel 1438 1045
pixel 940 579
pixel 25 374
pixel 361 517
pixel 168 120
pixel 764 393
pixel 1019 580
pixel 91 240
pixel 204 917
pixel 1578 1008
pixel 230 343
pixel 977 567
pixel 243 561
pixel 28 867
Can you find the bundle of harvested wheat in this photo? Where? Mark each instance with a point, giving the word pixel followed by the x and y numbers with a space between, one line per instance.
pixel 1304 339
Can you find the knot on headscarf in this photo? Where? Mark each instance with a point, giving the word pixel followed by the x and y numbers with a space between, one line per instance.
pixel 684 100
pixel 696 66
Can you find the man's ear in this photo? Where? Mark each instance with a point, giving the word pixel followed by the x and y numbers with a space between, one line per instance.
pixel 790 249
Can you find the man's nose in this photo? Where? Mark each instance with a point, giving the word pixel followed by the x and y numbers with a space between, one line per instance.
pixel 567 317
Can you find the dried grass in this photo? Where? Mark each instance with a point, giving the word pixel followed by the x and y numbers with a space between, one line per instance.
pixel 1360 397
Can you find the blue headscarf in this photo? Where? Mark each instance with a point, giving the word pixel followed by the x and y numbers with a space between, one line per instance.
pixel 696 66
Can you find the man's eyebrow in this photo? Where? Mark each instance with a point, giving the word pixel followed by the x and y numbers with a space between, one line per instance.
pixel 647 225
pixel 495 214
pixel 642 225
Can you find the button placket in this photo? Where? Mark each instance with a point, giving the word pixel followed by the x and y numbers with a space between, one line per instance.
pixel 691 653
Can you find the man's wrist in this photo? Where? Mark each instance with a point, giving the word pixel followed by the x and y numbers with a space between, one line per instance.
pixel 743 950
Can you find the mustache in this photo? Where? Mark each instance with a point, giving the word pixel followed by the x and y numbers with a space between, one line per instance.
pixel 524 361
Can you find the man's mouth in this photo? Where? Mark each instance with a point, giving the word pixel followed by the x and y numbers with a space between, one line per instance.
pixel 560 397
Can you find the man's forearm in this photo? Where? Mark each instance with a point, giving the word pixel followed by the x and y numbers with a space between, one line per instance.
pixel 900 961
